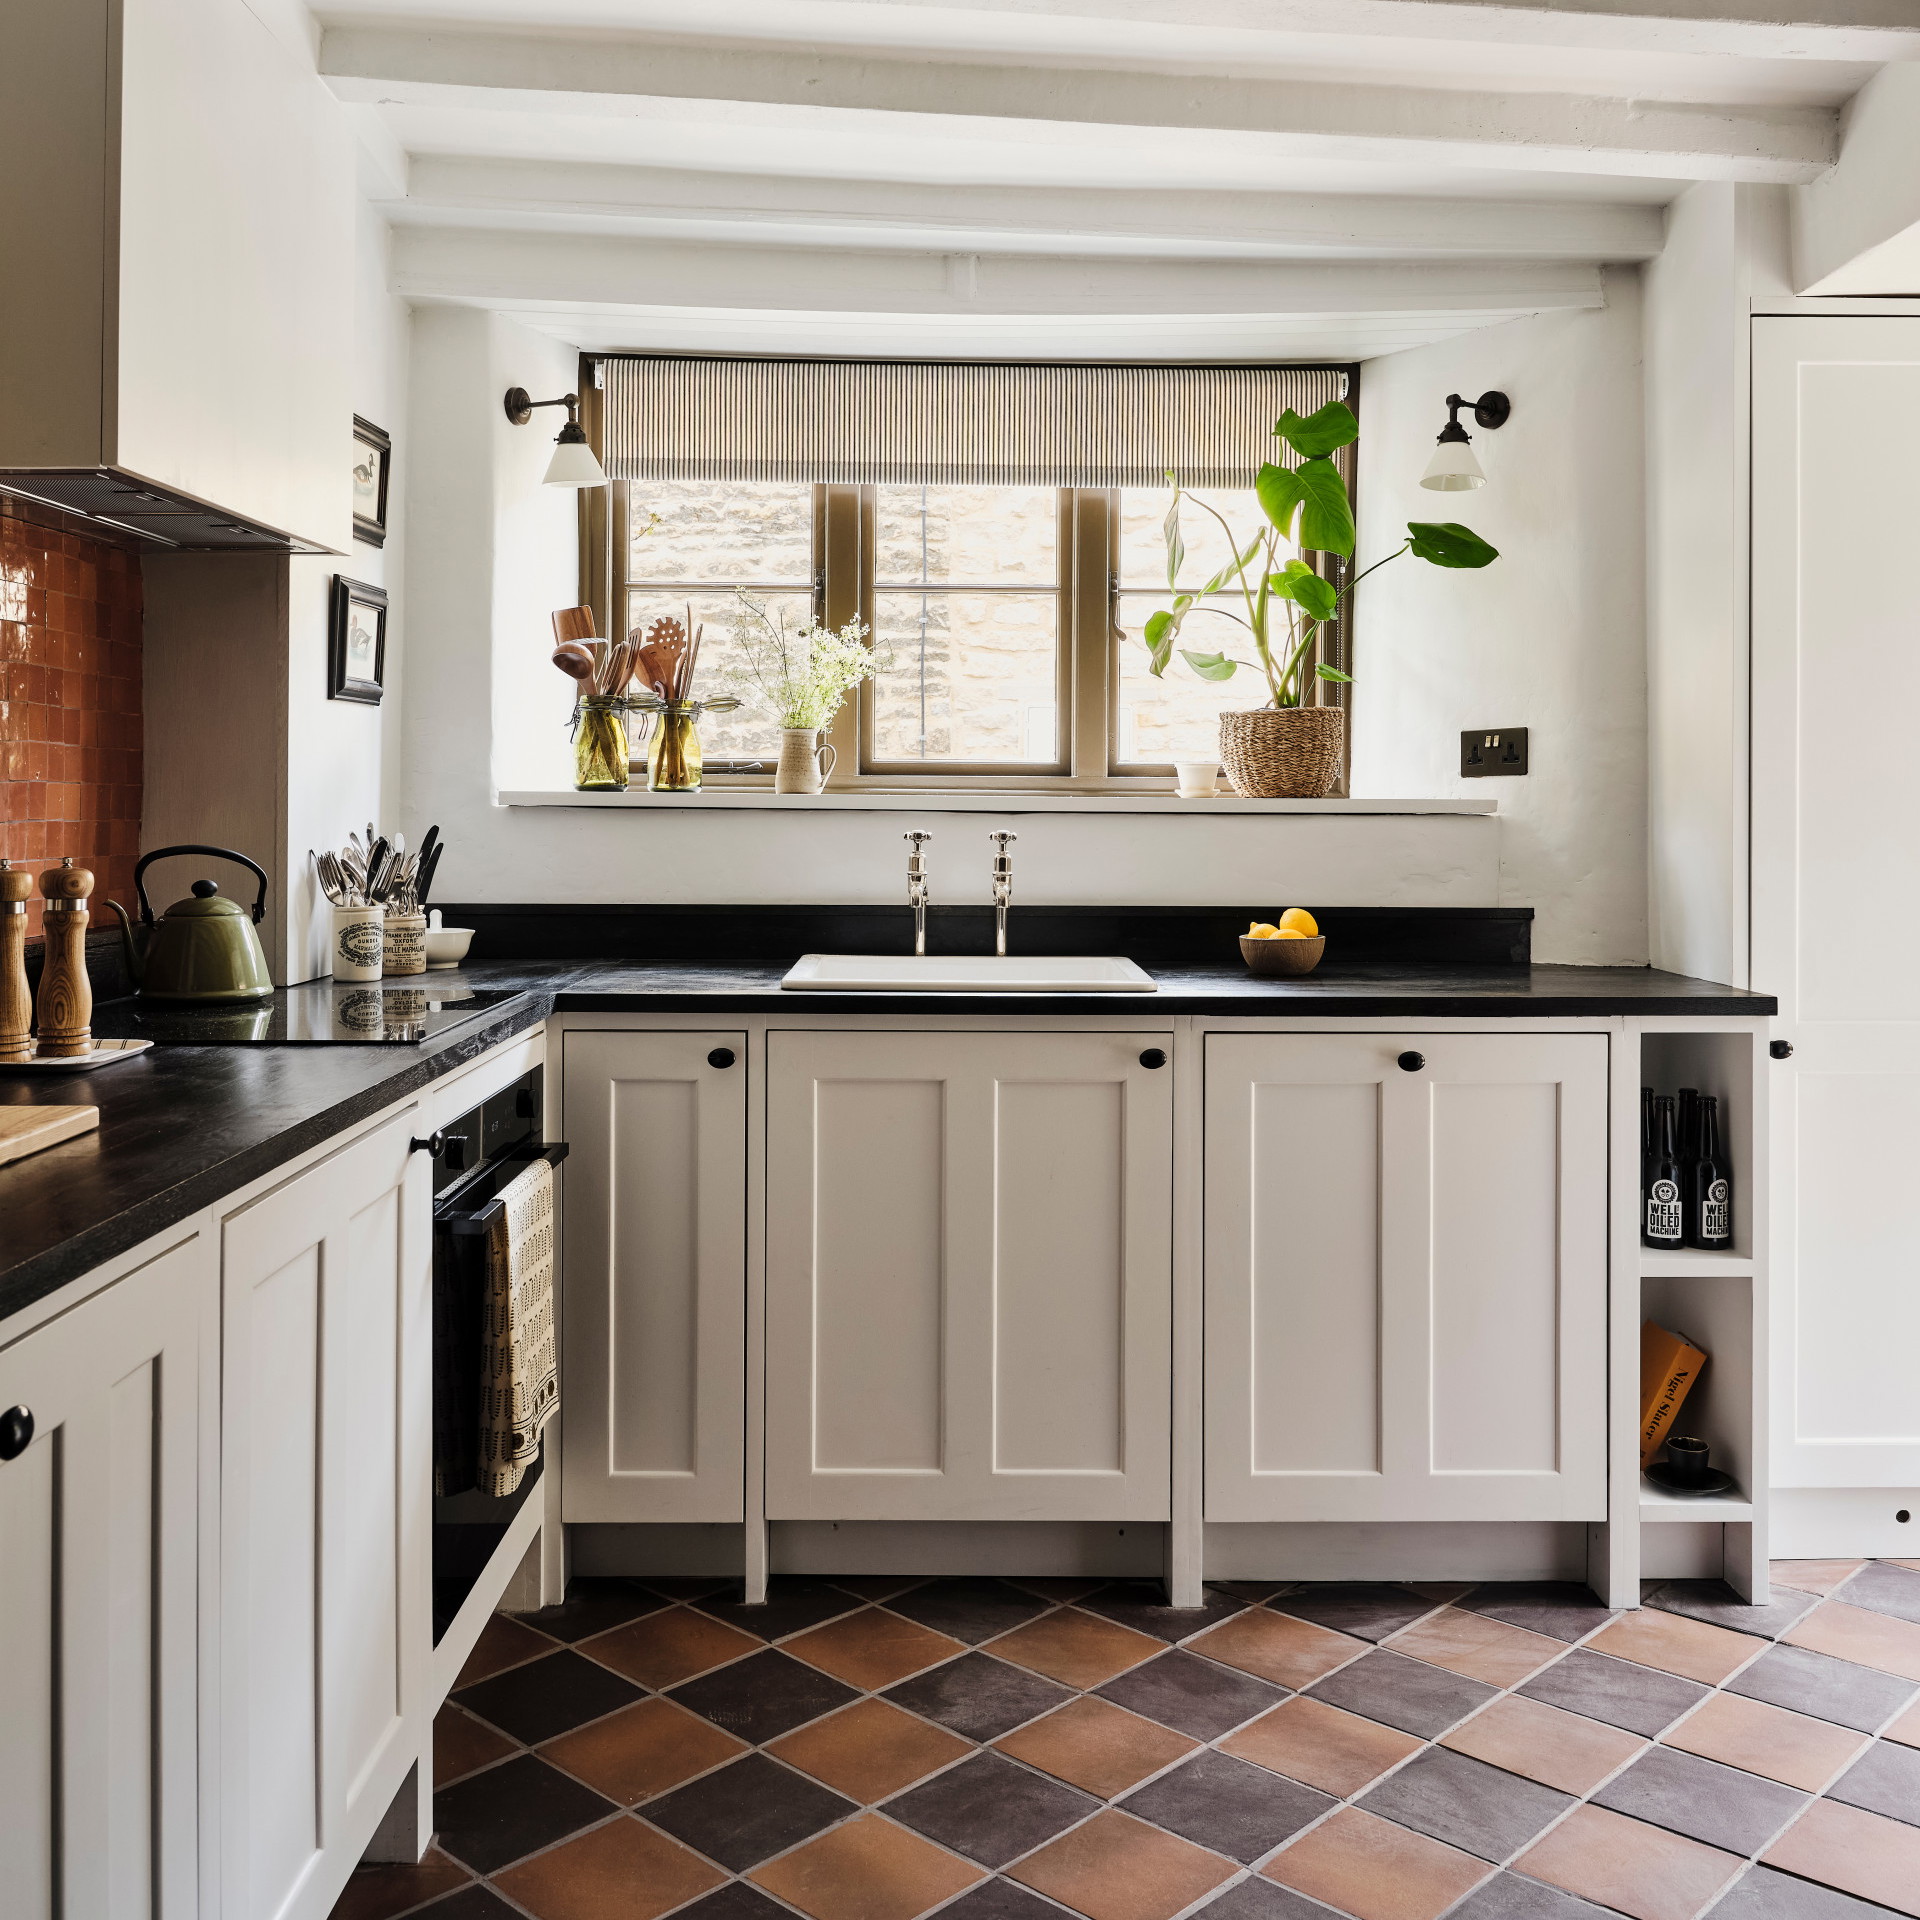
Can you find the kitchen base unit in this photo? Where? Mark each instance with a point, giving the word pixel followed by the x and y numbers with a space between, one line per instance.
pixel 1194 1297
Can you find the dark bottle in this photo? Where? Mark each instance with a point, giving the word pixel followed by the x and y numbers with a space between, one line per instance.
pixel 1711 1224
pixel 1660 1223
pixel 1686 1134
pixel 1646 1131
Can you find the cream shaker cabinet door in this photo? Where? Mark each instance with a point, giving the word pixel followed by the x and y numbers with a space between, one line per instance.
pixel 1406 1274
pixel 969 1276
pixel 99 1540
pixel 653 1314
pixel 326 1623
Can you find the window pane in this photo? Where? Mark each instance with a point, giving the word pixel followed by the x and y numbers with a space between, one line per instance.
pixel 965 536
pixel 974 676
pixel 1177 716
pixel 724 532
pixel 750 734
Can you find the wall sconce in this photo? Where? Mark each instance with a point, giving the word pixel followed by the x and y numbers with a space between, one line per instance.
pixel 1453 469
pixel 573 463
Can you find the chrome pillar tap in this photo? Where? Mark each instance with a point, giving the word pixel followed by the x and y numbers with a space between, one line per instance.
pixel 917 889
pixel 1002 888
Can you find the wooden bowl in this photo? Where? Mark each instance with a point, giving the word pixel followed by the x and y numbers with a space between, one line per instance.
pixel 1279 957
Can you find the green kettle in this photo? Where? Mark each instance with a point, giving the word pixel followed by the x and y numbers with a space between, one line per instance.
pixel 203 948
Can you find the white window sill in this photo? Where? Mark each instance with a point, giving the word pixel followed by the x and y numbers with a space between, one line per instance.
pixel 761 799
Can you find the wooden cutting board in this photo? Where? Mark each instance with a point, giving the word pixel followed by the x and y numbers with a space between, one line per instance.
pixel 25 1130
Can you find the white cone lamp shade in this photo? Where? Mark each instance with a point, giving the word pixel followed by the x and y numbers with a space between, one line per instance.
pixel 1453 469
pixel 573 463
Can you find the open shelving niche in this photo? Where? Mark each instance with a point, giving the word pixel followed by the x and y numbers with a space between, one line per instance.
pixel 1717 1301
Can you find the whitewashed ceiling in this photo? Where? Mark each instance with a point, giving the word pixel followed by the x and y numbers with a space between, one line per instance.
pixel 1223 178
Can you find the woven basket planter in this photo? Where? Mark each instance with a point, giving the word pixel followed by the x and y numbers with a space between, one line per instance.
pixel 1282 753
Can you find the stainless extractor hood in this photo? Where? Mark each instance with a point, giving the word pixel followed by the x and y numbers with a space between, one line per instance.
pixel 159 515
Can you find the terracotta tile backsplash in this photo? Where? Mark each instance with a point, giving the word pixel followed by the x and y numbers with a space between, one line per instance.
pixel 70 729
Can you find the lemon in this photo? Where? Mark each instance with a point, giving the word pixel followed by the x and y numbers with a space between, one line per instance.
pixel 1262 930
pixel 1292 933
pixel 1299 920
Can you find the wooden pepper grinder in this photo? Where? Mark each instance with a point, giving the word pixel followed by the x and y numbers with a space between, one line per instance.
pixel 16 1002
pixel 65 1006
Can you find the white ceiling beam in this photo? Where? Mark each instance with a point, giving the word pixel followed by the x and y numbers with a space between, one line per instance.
pixel 1857 231
pixel 1845 30
pixel 592 74
pixel 582 271
pixel 1080 219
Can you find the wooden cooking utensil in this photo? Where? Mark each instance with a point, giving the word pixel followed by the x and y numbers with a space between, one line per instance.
pixel 572 623
pixel 25 1130
pixel 65 1005
pixel 574 660
pixel 16 1002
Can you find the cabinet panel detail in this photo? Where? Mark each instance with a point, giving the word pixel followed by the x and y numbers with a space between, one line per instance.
pixel 969 1272
pixel 653 1290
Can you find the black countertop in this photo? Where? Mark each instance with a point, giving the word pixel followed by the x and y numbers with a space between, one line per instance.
pixel 183 1126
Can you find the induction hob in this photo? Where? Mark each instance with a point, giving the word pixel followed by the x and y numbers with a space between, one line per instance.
pixel 322 1013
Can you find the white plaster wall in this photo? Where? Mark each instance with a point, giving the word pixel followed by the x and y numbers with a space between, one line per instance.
pixel 1550 637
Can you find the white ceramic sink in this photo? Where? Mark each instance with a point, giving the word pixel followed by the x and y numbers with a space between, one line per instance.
pixel 964 973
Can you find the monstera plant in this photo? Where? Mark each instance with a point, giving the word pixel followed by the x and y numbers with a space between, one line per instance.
pixel 1286 602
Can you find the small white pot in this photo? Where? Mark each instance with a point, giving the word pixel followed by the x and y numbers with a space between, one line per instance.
pixel 358 945
pixel 1196 779
pixel 800 769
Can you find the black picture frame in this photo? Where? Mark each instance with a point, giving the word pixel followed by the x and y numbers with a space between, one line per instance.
pixel 372 462
pixel 348 649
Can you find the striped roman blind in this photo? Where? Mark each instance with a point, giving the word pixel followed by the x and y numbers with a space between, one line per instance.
pixel 954 422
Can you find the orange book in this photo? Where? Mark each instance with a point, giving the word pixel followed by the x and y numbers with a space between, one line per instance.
pixel 1669 1365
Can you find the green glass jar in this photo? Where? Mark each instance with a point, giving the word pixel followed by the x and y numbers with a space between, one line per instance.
pixel 600 747
pixel 673 756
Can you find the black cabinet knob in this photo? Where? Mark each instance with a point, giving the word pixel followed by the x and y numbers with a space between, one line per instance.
pixel 1411 1062
pixel 434 1143
pixel 1780 1049
pixel 720 1057
pixel 1154 1057
pixel 16 1432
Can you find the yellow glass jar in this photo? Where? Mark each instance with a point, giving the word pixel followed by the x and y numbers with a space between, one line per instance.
pixel 673 755
pixel 600 747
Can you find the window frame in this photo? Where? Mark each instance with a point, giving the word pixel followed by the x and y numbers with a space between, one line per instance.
pixel 1088 588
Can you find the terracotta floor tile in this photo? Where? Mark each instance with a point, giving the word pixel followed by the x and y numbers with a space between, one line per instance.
pixel 1310 1741
pixel 666 1648
pixel 1858 1852
pixel 642 1750
pixel 1867 1639
pixel 1277 1647
pixel 1642 1870
pixel 1907 1728
pixel 1542 1743
pixel 1674 1644
pixel 877 1586
pixel 461 1743
pixel 1815 1576
pixel 377 1893
pixel 503 1643
pixel 867 1870
pixel 622 1871
pixel 1770 1741
pixel 1472 1644
pixel 1373 1869
pixel 1117 1868
pixel 873 1649
pixel 1098 1747
pixel 1064 1588
pixel 1077 1649
pixel 869 1750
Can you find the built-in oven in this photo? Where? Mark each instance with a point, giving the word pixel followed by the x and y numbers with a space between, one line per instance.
pixel 475 1158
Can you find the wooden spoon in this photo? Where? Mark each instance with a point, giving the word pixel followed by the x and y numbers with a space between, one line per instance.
pixel 572 623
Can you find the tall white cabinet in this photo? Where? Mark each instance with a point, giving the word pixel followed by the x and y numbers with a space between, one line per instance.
pixel 1406 1276
pixel 1836 898
pixel 99 1543
pixel 969 1274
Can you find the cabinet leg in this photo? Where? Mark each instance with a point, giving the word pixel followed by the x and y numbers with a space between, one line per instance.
pixel 406 1828
pixel 754 1571
pixel 1743 1561
pixel 1613 1562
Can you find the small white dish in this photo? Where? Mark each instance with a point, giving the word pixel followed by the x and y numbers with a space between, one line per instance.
pixel 447 946
pixel 1196 779
pixel 106 1053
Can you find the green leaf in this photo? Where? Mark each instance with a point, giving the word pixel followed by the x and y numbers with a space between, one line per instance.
pixel 1320 432
pixel 1176 547
pixel 1234 567
pixel 1300 584
pixel 1448 544
pixel 1326 516
pixel 1211 666
pixel 1334 673
pixel 1279 492
pixel 1158 634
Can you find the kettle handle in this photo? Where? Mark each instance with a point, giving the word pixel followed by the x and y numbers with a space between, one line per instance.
pixel 219 853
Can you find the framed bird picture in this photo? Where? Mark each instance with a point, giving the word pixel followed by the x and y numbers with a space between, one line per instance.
pixel 372 457
pixel 357 655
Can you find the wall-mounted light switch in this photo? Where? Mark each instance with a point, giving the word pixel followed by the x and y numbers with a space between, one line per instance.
pixel 1488 752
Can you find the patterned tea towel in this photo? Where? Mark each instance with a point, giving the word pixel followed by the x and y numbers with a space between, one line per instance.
pixel 519 1379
